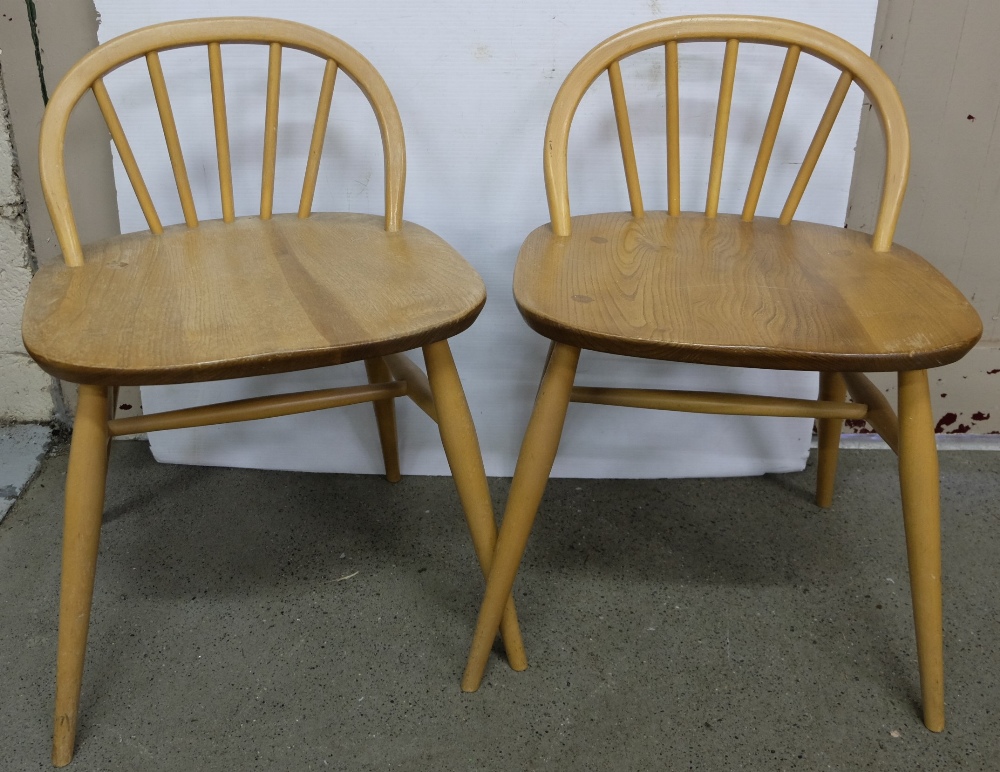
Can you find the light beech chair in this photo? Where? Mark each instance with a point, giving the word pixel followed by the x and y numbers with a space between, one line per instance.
pixel 241 296
pixel 742 291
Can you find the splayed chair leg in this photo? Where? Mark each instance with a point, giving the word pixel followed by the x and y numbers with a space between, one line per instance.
pixel 461 446
pixel 85 480
pixel 920 487
pixel 534 463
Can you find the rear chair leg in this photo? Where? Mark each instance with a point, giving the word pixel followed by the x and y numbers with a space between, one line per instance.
pixel 832 388
pixel 85 480
pixel 919 484
pixel 385 416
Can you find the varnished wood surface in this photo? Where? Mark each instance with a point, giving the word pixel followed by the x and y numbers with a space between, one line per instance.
pixel 257 408
pixel 718 403
pixel 247 298
pixel 724 292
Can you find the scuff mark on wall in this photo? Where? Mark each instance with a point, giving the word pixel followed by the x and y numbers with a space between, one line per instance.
pixel 33 23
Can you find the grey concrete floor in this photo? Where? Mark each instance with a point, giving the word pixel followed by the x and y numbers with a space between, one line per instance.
pixel 279 621
pixel 22 447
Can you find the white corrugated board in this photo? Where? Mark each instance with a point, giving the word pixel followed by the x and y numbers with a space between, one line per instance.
pixel 474 83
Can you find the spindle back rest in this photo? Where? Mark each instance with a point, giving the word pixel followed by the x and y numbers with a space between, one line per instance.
pixel 855 67
pixel 89 72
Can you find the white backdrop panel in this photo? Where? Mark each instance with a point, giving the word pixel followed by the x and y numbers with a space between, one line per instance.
pixel 474 83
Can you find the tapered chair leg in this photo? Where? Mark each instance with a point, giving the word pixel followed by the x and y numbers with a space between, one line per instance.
pixel 85 480
pixel 919 484
pixel 534 463
pixel 832 388
pixel 461 447
pixel 385 416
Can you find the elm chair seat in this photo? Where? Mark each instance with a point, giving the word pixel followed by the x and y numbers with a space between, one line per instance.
pixel 722 291
pixel 248 297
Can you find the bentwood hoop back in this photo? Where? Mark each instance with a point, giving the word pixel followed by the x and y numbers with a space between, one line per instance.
pixel 241 296
pixel 739 290
pixel 147 43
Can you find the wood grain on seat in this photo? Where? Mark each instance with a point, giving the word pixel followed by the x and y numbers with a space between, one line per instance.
pixel 726 292
pixel 245 298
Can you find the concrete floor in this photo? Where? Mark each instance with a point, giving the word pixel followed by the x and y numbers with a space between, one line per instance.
pixel 22 448
pixel 279 621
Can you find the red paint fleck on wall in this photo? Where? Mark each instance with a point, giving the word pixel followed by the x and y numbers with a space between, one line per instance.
pixel 124 406
pixel 943 396
pixel 946 420
pixel 993 372
pixel 980 416
pixel 859 425
pixel 960 429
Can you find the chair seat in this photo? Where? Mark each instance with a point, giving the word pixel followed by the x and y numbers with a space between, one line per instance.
pixel 247 298
pixel 725 292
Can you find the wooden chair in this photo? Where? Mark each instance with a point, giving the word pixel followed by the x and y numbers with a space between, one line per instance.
pixel 241 296
pixel 743 291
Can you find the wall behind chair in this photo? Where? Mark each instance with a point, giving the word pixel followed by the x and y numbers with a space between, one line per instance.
pixel 474 83
pixel 25 391
pixel 32 66
pixel 500 40
pixel 932 50
pixel 945 61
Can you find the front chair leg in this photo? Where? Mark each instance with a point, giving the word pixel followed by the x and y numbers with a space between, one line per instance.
pixel 461 447
pixel 534 463
pixel 832 388
pixel 919 485
pixel 85 480
pixel 385 416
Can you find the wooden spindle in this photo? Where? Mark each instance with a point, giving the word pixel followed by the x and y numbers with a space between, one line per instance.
pixel 125 153
pixel 221 131
pixel 173 141
pixel 721 127
pixel 673 131
pixel 625 138
pixel 270 131
pixel 770 132
pixel 318 135
pixel 816 147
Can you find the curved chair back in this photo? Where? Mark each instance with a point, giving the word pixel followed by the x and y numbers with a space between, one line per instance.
pixel 89 73
pixel 854 65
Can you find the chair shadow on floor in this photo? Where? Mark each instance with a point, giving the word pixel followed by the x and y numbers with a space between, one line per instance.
pixel 723 534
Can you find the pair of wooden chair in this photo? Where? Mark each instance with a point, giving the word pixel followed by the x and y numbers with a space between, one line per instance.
pixel 269 293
